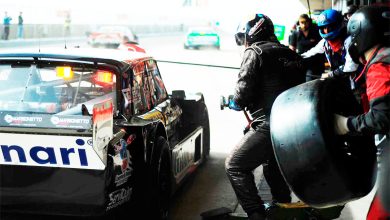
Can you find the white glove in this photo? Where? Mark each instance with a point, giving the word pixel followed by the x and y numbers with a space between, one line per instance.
pixel 340 124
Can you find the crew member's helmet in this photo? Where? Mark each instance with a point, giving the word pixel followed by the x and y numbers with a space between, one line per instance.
pixel 368 27
pixel 331 19
pixel 258 28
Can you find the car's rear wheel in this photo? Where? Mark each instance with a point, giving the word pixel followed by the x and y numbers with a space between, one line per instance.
pixel 206 133
pixel 205 123
pixel 159 181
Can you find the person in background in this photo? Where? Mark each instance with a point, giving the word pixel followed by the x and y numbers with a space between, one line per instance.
pixel 20 26
pixel 268 68
pixel 370 45
pixel 68 20
pixel 290 36
pixel 334 44
pixel 6 22
pixel 305 38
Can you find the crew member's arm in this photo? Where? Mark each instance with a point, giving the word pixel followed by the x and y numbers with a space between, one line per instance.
pixel 377 120
pixel 292 41
pixel 317 49
pixel 349 66
pixel 246 83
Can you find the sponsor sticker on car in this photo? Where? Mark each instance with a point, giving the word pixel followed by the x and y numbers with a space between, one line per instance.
pixel 44 121
pixel 48 151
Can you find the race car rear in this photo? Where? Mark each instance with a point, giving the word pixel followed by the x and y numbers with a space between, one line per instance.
pixel 50 174
pixel 56 121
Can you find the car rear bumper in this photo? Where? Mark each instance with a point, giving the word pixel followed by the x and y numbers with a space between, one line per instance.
pixel 58 191
pixel 202 44
pixel 202 41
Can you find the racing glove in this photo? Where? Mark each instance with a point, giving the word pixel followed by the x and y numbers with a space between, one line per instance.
pixel 233 105
pixel 340 124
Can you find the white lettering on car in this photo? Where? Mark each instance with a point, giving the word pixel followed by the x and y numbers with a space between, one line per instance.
pixel 119 197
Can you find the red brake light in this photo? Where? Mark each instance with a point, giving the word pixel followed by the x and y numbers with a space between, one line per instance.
pixel 104 77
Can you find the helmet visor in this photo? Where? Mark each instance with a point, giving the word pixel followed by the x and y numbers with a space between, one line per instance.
pixel 240 38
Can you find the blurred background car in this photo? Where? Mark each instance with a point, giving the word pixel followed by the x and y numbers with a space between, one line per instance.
pixel 131 45
pixel 111 36
pixel 200 37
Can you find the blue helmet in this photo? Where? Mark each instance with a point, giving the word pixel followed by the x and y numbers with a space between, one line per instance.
pixel 331 19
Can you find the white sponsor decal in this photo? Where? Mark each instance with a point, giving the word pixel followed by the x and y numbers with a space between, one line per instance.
pixel 119 197
pixel 48 151
pixel 122 159
pixel 120 179
pixel 19 119
pixel 56 120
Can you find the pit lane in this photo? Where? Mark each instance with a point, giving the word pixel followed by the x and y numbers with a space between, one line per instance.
pixel 209 187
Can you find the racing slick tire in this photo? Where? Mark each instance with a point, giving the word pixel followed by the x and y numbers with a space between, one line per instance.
pixel 205 122
pixel 160 181
pixel 323 169
pixel 206 134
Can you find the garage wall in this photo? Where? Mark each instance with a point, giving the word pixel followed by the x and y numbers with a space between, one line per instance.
pixel 317 4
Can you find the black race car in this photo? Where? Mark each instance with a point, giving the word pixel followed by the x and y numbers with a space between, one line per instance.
pixel 85 132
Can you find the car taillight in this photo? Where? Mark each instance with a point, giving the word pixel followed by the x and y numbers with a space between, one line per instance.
pixel 104 78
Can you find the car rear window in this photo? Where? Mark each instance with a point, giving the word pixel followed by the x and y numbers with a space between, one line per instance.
pixel 54 89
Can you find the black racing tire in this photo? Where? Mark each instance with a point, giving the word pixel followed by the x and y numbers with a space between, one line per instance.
pixel 160 181
pixel 384 177
pixel 206 134
pixel 323 169
pixel 205 123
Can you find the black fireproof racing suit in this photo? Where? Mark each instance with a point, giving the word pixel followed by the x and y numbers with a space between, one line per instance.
pixel 267 69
